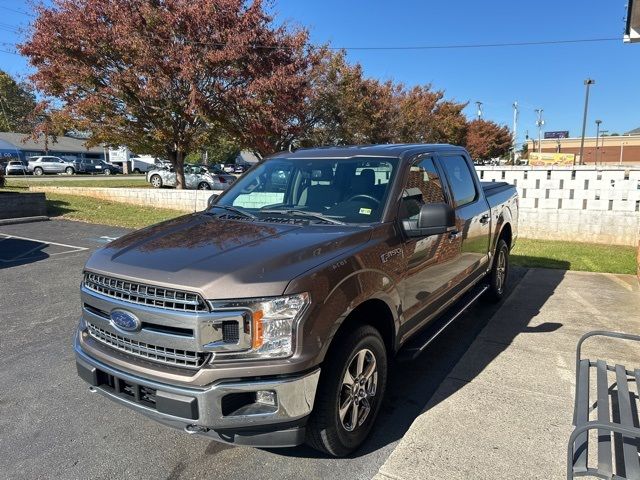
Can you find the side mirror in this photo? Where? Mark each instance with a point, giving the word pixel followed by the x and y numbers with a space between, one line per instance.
pixel 433 219
pixel 211 200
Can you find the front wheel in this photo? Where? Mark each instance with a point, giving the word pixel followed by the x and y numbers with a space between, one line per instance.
pixel 204 186
pixel 350 392
pixel 499 274
pixel 69 171
pixel 107 171
pixel 156 181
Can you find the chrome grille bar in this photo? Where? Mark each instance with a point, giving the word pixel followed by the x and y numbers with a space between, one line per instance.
pixel 145 294
pixel 166 355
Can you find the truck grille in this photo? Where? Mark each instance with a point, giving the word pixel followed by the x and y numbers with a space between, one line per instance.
pixel 145 294
pixel 165 355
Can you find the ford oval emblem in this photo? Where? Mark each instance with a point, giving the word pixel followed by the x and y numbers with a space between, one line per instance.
pixel 125 321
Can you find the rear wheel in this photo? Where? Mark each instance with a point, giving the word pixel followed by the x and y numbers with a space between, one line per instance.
pixel 499 274
pixel 156 181
pixel 38 171
pixel 350 392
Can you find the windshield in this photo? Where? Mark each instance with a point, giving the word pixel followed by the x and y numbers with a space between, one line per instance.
pixel 351 190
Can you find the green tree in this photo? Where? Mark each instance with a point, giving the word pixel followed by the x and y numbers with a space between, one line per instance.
pixel 17 105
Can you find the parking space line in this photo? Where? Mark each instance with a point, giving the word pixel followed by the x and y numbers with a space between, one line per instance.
pixel 44 242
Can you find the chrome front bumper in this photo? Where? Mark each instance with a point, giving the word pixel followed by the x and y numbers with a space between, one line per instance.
pixel 201 410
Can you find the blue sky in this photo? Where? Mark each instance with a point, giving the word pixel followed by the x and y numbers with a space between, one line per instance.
pixel 549 77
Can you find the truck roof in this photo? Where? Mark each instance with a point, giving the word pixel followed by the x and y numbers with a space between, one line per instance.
pixel 401 150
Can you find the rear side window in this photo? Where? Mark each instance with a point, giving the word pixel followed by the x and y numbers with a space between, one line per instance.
pixel 460 179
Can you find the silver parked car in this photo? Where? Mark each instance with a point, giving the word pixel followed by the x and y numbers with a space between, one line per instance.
pixel 44 164
pixel 196 177
pixel 15 167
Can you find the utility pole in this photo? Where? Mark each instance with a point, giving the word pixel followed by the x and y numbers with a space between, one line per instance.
pixel 479 112
pixel 588 82
pixel 539 123
pixel 602 135
pixel 515 130
pixel 598 122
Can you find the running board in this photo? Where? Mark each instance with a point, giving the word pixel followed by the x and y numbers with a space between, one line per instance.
pixel 416 345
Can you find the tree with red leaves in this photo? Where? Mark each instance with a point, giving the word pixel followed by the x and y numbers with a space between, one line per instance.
pixel 163 76
pixel 486 139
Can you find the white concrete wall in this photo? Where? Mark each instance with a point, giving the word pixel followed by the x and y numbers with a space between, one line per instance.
pixel 184 200
pixel 581 203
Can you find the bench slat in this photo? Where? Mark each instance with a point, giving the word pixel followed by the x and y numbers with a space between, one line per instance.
pixel 581 447
pixel 630 451
pixel 604 436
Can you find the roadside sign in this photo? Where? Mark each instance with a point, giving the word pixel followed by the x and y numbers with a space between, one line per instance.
pixel 557 134
pixel 536 158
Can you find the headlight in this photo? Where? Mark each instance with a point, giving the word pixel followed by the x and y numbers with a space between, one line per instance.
pixel 272 324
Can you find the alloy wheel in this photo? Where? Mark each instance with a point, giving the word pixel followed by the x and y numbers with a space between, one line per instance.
pixel 359 386
pixel 501 270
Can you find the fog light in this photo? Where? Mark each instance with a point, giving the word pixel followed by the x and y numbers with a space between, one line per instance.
pixel 266 397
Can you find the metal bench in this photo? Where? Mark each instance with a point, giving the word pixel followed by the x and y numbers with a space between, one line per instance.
pixel 616 411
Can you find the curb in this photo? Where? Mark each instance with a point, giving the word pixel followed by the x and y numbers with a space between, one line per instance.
pixel 12 221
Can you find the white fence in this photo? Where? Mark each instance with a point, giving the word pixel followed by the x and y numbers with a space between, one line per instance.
pixel 582 203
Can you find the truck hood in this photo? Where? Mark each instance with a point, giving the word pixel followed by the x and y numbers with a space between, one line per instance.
pixel 224 259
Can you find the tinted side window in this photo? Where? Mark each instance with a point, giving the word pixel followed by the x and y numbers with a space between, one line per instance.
pixel 423 186
pixel 460 179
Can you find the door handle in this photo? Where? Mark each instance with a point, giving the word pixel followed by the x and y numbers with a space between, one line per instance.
pixel 454 235
pixel 485 218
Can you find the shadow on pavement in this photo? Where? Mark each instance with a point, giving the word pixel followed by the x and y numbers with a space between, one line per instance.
pixel 17 251
pixel 412 384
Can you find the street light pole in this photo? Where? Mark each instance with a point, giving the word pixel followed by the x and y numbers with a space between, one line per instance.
pixel 515 130
pixel 588 82
pixel 598 122
pixel 479 112
pixel 539 123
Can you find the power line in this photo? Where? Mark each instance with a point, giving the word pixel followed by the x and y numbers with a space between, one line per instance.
pixel 17 11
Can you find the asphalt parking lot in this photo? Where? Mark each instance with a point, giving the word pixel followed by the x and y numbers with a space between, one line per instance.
pixel 53 427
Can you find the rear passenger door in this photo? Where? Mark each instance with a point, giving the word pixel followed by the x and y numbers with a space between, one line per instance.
pixel 473 220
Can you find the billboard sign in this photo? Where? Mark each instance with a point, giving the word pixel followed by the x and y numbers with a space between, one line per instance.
pixel 536 158
pixel 558 134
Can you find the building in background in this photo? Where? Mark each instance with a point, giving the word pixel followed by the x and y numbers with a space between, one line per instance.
pixel 614 149
pixel 24 146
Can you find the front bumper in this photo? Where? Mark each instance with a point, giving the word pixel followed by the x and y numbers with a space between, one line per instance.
pixel 225 410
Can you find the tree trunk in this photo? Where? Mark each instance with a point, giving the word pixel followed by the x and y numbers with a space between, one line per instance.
pixel 176 157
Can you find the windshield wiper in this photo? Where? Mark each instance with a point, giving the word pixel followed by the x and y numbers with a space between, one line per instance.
pixel 304 213
pixel 235 210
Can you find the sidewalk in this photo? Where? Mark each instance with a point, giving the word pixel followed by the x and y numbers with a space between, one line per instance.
pixel 505 410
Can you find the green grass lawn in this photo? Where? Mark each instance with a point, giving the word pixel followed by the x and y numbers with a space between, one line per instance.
pixel 589 257
pixel 92 210
pixel 80 182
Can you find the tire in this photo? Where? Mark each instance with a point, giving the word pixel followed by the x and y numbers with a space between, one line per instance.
pixel 38 171
pixel 327 430
pixel 107 171
pixel 204 186
pixel 137 170
pixel 499 275
pixel 156 181
pixel 69 171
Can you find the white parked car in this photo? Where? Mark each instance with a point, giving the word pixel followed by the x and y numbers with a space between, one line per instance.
pixel 15 167
pixel 46 164
pixel 196 177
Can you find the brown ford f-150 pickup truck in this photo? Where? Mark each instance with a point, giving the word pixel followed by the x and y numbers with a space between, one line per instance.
pixel 270 318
